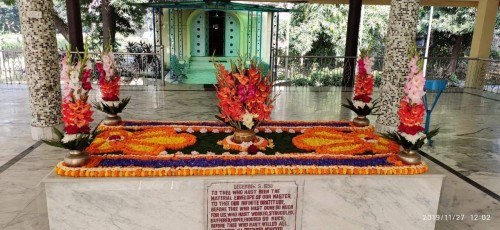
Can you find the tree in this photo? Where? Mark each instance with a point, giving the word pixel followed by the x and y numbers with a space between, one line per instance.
pixel 119 17
pixel 9 22
pixel 110 17
pixel 375 20
pixel 452 29
pixel 320 29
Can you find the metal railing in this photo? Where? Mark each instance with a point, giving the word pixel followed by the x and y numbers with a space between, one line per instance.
pixel 134 68
pixel 12 67
pixel 329 71
pixel 145 69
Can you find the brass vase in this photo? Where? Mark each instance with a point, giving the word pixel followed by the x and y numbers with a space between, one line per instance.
pixel 361 121
pixel 76 158
pixel 409 156
pixel 112 120
pixel 243 135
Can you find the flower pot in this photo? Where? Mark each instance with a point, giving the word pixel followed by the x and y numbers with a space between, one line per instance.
pixel 410 157
pixel 112 120
pixel 361 121
pixel 243 135
pixel 76 158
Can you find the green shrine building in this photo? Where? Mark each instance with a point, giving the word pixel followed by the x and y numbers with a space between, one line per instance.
pixel 193 33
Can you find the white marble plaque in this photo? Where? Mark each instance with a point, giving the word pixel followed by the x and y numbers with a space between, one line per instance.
pixel 252 205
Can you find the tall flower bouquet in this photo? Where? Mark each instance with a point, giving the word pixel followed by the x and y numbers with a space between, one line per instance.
pixel 362 103
pixel 245 98
pixel 411 112
pixel 76 111
pixel 109 101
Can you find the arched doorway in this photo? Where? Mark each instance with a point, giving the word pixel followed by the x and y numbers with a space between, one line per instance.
pixel 214 33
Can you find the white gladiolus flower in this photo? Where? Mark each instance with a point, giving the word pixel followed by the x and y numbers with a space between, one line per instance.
pixel 69 137
pixel 248 120
pixel 361 104
pixel 413 138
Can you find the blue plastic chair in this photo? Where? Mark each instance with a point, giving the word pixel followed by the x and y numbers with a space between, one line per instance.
pixel 435 86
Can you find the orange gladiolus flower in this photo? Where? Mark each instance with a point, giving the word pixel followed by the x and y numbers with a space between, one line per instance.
pixel 77 117
pixel 411 115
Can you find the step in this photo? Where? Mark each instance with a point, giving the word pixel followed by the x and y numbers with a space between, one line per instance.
pixel 209 59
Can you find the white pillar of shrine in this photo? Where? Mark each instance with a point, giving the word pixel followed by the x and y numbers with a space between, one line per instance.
pixel 42 67
pixel 401 32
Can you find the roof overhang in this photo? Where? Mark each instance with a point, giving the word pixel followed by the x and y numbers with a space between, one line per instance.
pixel 212 5
pixel 453 3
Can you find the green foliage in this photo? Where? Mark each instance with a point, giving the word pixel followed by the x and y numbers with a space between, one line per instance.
pixel 365 111
pixel 450 25
pixel 205 143
pixel 400 140
pixel 80 143
pixel 142 62
pixel 322 77
pixel 378 78
pixel 11 41
pixel 300 81
pixel 127 18
pixel 8 2
pixel 111 109
pixel 319 29
pixel 9 21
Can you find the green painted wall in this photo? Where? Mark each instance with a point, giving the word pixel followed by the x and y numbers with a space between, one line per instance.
pixel 189 30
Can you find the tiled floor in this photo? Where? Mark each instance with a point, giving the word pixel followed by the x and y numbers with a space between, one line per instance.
pixel 469 143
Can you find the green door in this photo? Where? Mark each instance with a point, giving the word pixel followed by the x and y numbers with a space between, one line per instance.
pixel 199 41
pixel 232 36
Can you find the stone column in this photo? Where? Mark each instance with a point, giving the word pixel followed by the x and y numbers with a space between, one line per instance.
pixel 400 34
pixel 482 38
pixel 42 67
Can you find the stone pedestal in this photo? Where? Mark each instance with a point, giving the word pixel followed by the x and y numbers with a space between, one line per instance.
pixel 320 202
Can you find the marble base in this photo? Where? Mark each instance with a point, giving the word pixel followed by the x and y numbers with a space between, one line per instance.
pixel 323 202
pixel 380 128
pixel 44 133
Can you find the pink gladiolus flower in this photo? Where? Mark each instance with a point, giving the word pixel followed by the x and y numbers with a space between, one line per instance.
pixel 368 62
pixel 413 65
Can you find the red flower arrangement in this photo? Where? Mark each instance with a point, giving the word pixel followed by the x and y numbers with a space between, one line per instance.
pixel 244 95
pixel 363 88
pixel 411 108
pixel 109 86
pixel 76 112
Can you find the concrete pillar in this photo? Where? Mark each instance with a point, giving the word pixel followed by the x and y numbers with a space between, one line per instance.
pixel 482 38
pixel 400 34
pixel 42 67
